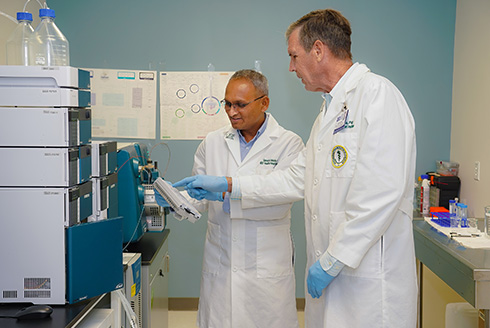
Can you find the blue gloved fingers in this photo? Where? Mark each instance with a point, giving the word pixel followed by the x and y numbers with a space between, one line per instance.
pixel 160 200
pixel 311 288
pixel 196 193
pixel 318 279
pixel 200 194
pixel 207 182
pixel 184 181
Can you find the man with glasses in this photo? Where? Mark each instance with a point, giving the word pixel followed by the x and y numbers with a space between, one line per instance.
pixel 248 271
pixel 357 176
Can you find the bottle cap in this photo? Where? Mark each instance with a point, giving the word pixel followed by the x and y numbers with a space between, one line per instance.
pixel 46 13
pixel 452 201
pixel 425 176
pixel 24 16
pixel 464 206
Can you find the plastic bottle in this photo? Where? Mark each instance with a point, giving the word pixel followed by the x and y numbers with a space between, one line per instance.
pixel 464 216
pixel 424 195
pixel 458 214
pixel 416 197
pixel 452 214
pixel 18 42
pixel 48 46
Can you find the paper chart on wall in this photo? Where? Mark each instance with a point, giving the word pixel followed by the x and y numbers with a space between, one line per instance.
pixel 123 103
pixel 190 104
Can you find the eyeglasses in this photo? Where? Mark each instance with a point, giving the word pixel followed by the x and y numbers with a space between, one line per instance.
pixel 238 105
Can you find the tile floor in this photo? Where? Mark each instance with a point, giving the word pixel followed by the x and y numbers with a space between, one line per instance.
pixel 187 319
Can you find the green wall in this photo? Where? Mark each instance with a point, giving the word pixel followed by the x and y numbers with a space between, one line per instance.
pixel 409 42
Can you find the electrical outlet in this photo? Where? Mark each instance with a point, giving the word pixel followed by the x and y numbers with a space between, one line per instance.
pixel 476 173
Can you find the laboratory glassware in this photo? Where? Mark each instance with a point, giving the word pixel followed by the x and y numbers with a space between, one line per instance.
pixel 18 43
pixel 48 46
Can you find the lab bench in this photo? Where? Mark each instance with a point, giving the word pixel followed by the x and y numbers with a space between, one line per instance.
pixel 465 270
pixel 67 316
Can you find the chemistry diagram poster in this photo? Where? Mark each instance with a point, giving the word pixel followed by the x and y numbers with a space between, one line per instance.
pixel 123 103
pixel 190 105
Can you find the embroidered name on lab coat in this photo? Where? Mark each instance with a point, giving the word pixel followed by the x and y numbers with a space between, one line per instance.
pixel 230 135
pixel 268 162
pixel 339 156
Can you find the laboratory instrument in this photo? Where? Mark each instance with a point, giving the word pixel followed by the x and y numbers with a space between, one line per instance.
pixel 154 214
pixel 132 286
pixel 104 200
pixel 45 167
pixel 39 86
pixel 46 194
pixel 104 158
pixel 135 171
pixel 45 127
pixel 39 272
pixel 94 259
pixel 183 209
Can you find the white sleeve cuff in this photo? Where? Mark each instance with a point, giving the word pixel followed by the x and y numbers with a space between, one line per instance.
pixel 236 193
pixel 330 264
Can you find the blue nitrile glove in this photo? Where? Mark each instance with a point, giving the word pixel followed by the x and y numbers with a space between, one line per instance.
pixel 200 194
pixel 197 193
pixel 318 279
pixel 207 182
pixel 214 196
pixel 160 200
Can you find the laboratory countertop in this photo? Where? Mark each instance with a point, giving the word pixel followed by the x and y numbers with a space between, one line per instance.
pixel 465 270
pixel 149 245
pixel 62 316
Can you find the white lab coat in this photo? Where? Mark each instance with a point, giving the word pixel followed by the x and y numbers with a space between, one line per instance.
pixel 360 211
pixel 248 273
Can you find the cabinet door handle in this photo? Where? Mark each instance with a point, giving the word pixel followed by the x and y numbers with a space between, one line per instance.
pixel 167 263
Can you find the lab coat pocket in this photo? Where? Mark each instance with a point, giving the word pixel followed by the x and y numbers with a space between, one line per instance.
pixel 343 155
pixel 264 169
pixel 274 251
pixel 212 249
pixel 371 264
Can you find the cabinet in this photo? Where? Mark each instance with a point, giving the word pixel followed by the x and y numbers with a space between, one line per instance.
pixel 155 261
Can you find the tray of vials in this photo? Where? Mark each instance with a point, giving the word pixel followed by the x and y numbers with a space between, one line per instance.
pixel 441 218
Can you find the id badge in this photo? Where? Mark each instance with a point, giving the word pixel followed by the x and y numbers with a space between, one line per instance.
pixel 340 120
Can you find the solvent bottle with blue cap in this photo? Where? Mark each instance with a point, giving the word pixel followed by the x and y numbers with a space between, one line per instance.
pixel 463 222
pixel 48 46
pixel 18 43
pixel 424 195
